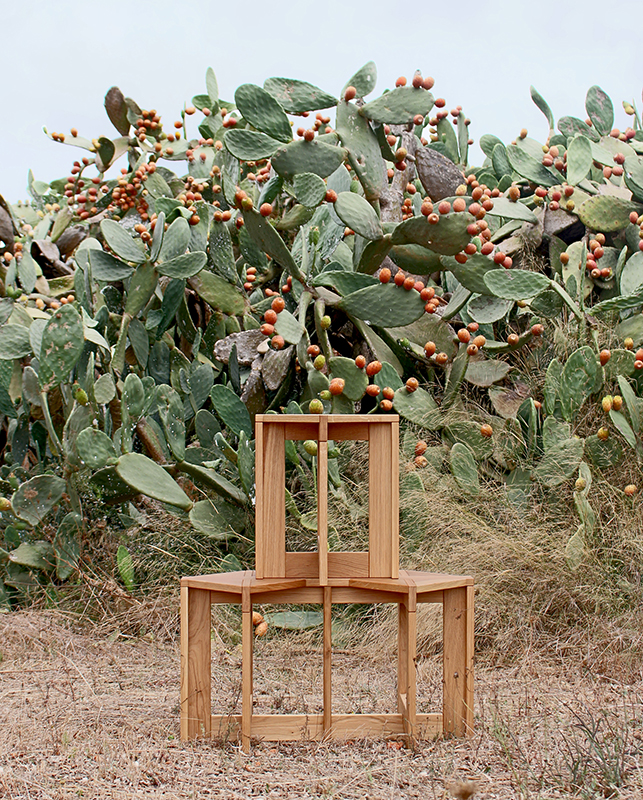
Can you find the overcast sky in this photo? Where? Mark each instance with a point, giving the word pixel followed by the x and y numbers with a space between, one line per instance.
pixel 60 58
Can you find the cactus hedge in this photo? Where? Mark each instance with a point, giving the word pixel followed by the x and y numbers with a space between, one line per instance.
pixel 292 249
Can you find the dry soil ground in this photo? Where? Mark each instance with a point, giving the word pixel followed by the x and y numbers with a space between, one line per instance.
pixel 87 714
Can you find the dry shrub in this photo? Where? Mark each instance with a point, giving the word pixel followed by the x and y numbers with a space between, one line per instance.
pixel 527 596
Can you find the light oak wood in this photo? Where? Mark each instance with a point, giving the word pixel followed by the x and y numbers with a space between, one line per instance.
pixel 458 661
pixel 270 541
pixel 325 578
pixel 306 565
pixel 381 526
pixel 295 727
pixel 195 663
pixel 322 511
pixel 247 636
pixel 327 656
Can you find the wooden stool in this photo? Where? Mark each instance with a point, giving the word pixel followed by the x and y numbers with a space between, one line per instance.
pixel 328 577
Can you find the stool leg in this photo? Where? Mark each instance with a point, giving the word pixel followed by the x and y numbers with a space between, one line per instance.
pixel 406 683
pixel 328 703
pixel 247 634
pixel 196 707
pixel 458 661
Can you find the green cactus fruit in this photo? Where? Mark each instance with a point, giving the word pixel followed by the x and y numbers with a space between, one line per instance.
pixel 344 282
pixel 263 112
pixel 309 189
pixel 418 407
pixel 121 243
pixel 35 498
pixel 447 237
pixel 355 379
pixel 206 427
pixel 247 145
pixel 297 97
pixel 301 156
pixel 464 468
pixel 515 284
pixel 579 159
pixel 385 305
pixel 559 463
pixel 147 477
pixel 606 213
pixel 311 447
pixel 61 347
pixel 67 545
pixel 324 322
pixel 529 167
pixel 95 448
pixel 364 154
pixel 231 410
pixel 14 341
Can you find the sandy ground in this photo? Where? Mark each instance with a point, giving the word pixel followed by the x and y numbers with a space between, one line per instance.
pixel 86 714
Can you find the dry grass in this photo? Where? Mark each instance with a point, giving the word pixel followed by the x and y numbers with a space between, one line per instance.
pixel 89 693
pixel 88 715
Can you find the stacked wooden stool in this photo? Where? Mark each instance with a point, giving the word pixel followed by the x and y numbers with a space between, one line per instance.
pixel 328 577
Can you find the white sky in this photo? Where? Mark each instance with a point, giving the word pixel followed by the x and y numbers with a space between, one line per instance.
pixel 59 58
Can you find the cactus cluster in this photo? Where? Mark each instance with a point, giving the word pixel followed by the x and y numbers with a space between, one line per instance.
pixel 254 258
